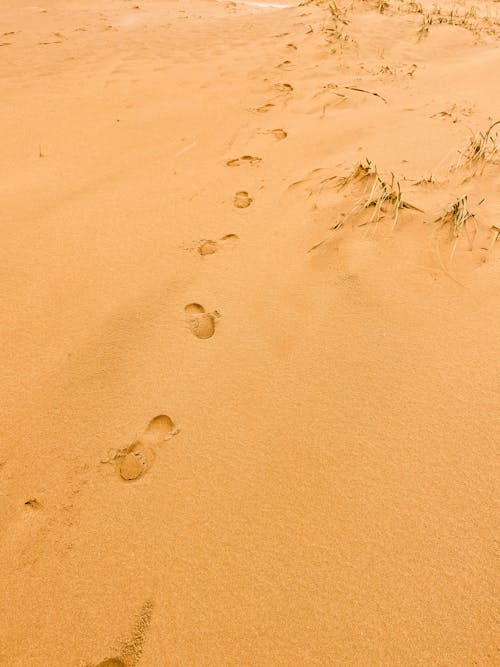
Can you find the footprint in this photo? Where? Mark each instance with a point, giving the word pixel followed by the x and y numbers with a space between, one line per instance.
pixel 264 108
pixel 207 247
pixel 284 87
pixel 244 159
pixel 158 430
pixel 201 324
pixel 134 461
pixel 112 662
pixel 279 134
pixel 242 199
pixel 194 309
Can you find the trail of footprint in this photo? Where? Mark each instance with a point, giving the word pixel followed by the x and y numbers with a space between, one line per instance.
pixel 201 324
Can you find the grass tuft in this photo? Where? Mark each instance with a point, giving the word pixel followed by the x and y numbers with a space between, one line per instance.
pixel 382 194
pixel 385 192
pixel 482 148
pixel 456 216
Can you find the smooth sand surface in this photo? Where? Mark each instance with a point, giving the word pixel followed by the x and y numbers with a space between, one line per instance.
pixel 249 414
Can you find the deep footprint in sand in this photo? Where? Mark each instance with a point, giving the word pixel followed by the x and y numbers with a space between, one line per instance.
pixel 242 199
pixel 201 324
pixel 111 662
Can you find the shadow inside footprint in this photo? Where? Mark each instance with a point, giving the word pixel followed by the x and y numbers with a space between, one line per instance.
pixel 201 324
pixel 111 662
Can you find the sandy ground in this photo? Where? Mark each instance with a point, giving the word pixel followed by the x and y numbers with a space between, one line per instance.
pixel 249 405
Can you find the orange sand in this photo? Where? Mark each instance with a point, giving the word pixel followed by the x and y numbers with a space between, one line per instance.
pixel 319 486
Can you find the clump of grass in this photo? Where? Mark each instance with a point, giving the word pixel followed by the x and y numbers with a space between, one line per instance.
pixel 338 18
pixel 382 193
pixel 456 217
pixel 426 180
pixel 482 147
pixel 385 192
pixel 469 19
pixel 425 26
pixel 359 172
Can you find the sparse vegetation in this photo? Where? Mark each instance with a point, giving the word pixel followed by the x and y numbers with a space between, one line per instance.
pixel 359 172
pixel 335 30
pixel 423 31
pixel 482 148
pixel 469 19
pixel 456 217
pixel 383 193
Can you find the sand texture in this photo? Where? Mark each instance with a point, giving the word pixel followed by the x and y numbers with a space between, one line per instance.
pixel 250 269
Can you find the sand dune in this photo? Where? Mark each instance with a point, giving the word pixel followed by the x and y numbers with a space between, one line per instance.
pixel 250 264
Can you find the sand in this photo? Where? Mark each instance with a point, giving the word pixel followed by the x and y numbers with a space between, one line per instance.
pixel 249 389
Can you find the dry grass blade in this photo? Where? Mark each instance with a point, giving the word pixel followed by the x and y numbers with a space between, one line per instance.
pixel 368 92
pixel 495 235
